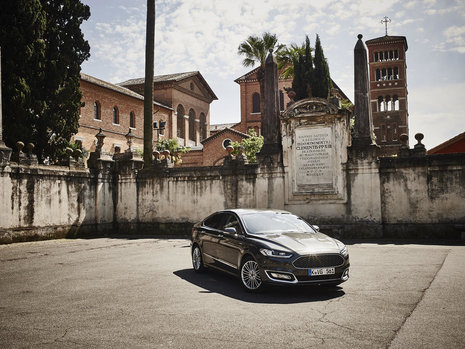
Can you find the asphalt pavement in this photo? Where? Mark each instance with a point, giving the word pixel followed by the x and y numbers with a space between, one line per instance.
pixel 142 293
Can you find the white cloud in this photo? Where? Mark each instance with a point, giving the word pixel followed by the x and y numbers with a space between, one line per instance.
pixel 455 38
pixel 433 113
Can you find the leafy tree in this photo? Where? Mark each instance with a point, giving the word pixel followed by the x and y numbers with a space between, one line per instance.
pixel 22 26
pixel 255 49
pixel 252 145
pixel 176 150
pixel 321 81
pixel 42 51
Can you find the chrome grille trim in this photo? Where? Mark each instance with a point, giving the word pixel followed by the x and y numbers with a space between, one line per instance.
pixel 319 261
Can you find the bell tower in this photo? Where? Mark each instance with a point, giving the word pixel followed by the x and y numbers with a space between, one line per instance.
pixel 388 89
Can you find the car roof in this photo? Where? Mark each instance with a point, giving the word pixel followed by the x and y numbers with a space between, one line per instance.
pixel 242 211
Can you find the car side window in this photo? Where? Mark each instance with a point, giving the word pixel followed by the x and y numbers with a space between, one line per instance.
pixel 231 221
pixel 214 221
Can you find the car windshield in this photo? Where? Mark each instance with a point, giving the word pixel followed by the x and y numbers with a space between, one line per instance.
pixel 274 223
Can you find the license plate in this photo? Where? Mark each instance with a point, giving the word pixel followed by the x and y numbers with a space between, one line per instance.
pixel 321 271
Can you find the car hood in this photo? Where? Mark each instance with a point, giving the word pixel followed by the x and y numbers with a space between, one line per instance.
pixel 303 243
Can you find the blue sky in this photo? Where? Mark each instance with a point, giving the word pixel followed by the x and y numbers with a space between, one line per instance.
pixel 204 35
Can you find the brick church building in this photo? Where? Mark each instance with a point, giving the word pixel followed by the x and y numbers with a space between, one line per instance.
pixel 181 100
pixel 388 91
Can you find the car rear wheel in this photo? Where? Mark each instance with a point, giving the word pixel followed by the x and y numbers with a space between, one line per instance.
pixel 250 275
pixel 197 261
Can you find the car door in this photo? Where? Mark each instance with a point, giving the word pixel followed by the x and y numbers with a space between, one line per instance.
pixel 210 235
pixel 231 244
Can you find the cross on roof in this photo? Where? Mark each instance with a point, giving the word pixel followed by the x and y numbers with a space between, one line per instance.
pixel 386 20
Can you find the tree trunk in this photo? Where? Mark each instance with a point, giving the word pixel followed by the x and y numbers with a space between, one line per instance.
pixel 260 78
pixel 148 88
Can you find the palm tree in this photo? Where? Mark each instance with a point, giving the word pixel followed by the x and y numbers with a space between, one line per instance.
pixel 148 88
pixel 255 49
pixel 286 57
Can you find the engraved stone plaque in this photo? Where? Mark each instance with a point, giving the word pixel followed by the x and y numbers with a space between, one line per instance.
pixel 314 156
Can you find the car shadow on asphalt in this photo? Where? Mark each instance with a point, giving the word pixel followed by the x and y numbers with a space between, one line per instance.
pixel 212 281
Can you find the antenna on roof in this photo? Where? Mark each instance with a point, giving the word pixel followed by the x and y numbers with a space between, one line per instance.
pixel 386 20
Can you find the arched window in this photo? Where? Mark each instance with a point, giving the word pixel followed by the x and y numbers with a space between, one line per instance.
pixel 384 74
pixel 180 121
pixel 395 101
pixel 192 124
pixel 381 105
pixel 115 115
pixel 390 76
pixel 396 73
pixel 132 120
pixel 388 101
pixel 256 103
pixel 378 75
pixel 97 115
pixel 203 126
pixel 396 54
pixel 376 56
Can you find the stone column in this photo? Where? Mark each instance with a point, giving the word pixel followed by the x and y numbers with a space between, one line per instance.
pixel 5 152
pixel 362 111
pixel 272 150
pixel 364 183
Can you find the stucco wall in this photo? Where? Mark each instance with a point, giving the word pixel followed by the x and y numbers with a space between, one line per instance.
pixel 412 197
pixel 427 191
pixel 45 202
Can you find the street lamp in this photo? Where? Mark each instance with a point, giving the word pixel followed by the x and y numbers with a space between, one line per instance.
pixel 159 126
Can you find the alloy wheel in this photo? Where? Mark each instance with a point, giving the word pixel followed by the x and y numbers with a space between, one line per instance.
pixel 197 259
pixel 250 275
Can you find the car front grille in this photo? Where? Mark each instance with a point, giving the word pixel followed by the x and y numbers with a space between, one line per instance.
pixel 319 261
pixel 308 278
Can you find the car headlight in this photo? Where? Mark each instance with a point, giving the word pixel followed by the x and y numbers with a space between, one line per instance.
pixel 345 251
pixel 275 253
pixel 343 248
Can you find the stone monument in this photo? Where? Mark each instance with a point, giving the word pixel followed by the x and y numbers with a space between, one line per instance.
pixel 315 134
pixel 271 150
pixel 363 145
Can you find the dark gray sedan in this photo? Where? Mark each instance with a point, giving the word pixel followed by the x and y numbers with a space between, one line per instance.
pixel 268 247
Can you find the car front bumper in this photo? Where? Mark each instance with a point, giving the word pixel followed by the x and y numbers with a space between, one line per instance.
pixel 283 271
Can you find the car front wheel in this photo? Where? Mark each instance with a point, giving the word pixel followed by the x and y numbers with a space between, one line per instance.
pixel 197 261
pixel 250 275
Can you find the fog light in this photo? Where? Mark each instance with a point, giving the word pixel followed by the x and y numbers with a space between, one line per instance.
pixel 281 276
pixel 345 274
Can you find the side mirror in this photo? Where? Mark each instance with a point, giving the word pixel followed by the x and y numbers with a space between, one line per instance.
pixel 231 230
pixel 316 228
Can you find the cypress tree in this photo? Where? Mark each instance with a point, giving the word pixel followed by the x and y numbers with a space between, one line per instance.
pixel 299 84
pixel 308 68
pixel 303 70
pixel 321 81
